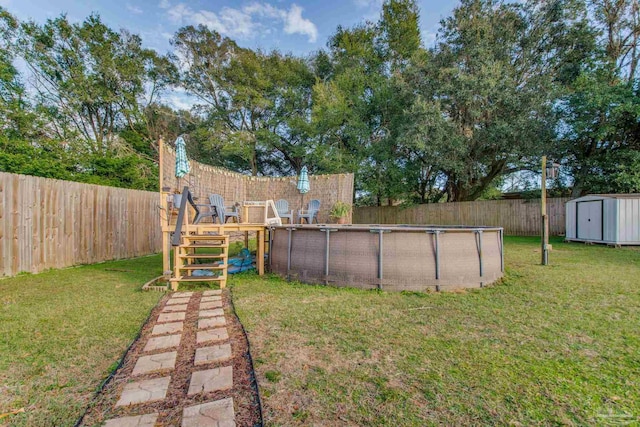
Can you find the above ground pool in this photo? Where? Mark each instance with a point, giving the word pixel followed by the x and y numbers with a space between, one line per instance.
pixel 388 257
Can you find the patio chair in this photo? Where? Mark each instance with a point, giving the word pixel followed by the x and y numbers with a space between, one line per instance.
pixel 282 206
pixel 202 211
pixel 223 211
pixel 310 213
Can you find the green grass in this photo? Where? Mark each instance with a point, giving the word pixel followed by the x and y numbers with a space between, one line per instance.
pixel 550 345
pixel 62 331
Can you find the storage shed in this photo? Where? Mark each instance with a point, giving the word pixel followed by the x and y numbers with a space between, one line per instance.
pixel 604 218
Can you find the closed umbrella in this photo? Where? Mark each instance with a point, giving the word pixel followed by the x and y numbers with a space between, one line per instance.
pixel 303 181
pixel 182 167
pixel 303 184
pixel 182 163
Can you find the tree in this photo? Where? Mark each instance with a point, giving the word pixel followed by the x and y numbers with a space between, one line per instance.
pixel 256 105
pixel 91 79
pixel 15 118
pixel 489 86
pixel 599 109
pixel 358 105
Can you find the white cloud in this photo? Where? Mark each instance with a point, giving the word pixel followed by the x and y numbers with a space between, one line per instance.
pixel 429 38
pixel 248 21
pixel 164 4
pixel 377 4
pixel 296 24
pixel 134 9
pixel 179 13
pixel 180 100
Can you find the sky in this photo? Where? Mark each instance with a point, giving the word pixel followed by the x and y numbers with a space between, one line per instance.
pixel 298 26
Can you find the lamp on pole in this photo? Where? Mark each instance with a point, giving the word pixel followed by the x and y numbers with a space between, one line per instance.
pixel 552 172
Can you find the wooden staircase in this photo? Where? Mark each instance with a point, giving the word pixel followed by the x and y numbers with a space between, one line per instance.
pixel 209 252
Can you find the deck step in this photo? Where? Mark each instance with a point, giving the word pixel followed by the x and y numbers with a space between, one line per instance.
pixel 202 256
pixel 198 279
pixel 204 237
pixel 203 245
pixel 208 266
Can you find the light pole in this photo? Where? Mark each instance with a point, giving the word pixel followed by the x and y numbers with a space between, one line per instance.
pixel 552 171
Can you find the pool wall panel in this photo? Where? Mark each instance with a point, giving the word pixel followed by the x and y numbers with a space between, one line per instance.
pixel 408 256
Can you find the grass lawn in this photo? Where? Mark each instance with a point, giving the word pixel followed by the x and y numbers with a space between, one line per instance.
pixel 62 331
pixel 550 345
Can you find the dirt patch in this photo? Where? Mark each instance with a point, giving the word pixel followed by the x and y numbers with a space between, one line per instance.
pixel 244 391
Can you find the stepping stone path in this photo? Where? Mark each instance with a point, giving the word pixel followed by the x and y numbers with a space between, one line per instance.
pixel 210 304
pixel 170 317
pixel 218 413
pixel 211 322
pixel 211 380
pixel 215 353
pixel 161 343
pixel 144 391
pixel 148 420
pixel 155 362
pixel 218 334
pixel 212 370
pixel 211 313
pixel 167 328
pixel 180 307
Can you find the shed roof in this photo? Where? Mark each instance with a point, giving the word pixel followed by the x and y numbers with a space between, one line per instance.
pixel 608 196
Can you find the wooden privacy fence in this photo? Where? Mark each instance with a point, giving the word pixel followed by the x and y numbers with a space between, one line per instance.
pixel 235 187
pixel 47 223
pixel 520 217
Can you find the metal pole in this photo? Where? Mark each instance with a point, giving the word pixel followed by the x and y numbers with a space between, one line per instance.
pixel 289 254
pixel 479 234
pixel 380 259
pixel 326 254
pixel 271 230
pixel 437 237
pixel 501 237
pixel 544 241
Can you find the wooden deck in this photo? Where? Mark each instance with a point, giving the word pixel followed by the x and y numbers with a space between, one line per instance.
pixel 221 229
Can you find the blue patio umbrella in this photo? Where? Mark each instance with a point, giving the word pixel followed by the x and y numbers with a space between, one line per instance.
pixel 182 163
pixel 303 184
pixel 303 181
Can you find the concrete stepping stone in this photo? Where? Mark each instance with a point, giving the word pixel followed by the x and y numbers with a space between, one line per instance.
pixel 211 313
pixel 210 304
pixel 214 353
pixel 212 292
pixel 170 308
pixel 167 328
pixel 212 335
pixel 211 322
pixel 144 391
pixel 211 298
pixel 218 413
pixel 147 420
pixel 215 379
pixel 181 294
pixel 174 301
pixel 155 362
pixel 170 317
pixel 160 343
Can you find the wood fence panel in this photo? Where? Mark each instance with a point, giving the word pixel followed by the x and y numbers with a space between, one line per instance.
pixel 46 223
pixel 519 217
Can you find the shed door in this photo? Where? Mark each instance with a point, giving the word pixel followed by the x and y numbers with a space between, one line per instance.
pixel 589 220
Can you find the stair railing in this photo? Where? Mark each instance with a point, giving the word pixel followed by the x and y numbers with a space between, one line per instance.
pixel 182 215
